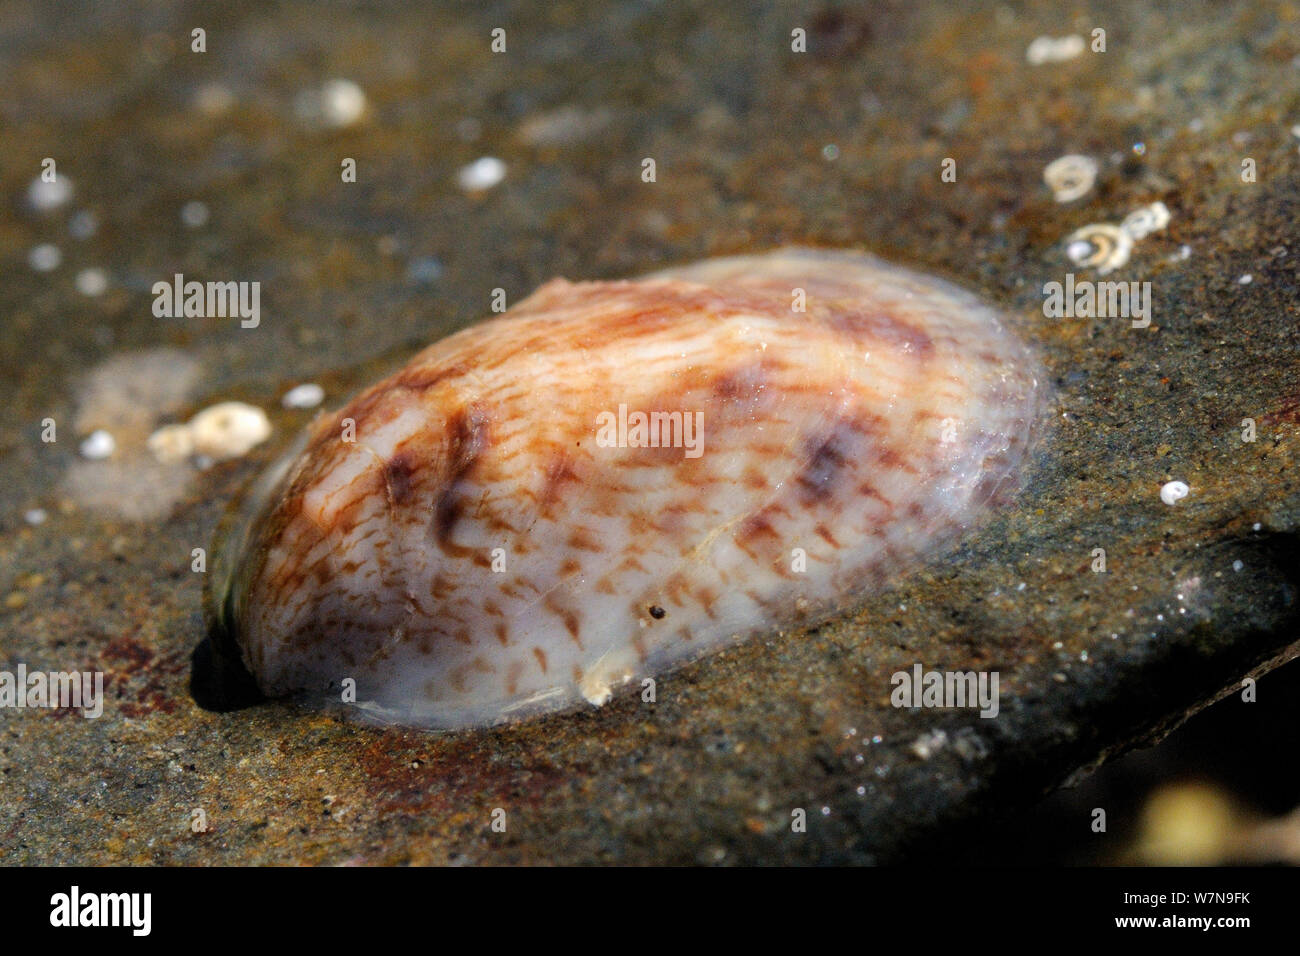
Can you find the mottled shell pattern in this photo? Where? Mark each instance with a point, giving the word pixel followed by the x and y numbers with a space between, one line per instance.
pixel 502 537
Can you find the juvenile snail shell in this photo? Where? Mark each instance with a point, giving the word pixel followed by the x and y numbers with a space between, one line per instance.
pixel 1140 223
pixel 1070 177
pixel 1100 246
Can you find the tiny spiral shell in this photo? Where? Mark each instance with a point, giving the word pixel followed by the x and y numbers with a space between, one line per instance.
pixel 1099 245
pixel 1140 223
pixel 1070 177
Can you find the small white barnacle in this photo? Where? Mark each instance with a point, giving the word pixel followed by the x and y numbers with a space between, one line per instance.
pixel 1071 176
pixel 1100 246
pixel 1140 223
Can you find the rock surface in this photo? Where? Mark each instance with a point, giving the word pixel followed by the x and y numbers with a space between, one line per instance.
pixel 755 145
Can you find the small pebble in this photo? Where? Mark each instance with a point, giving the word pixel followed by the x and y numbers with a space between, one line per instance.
pixel 97 445
pixel 483 173
pixel 1173 492
pixel 1247 279
pixel 307 395
pixel 46 196
pixel 228 430
pixel 35 516
pixel 45 257
pixel 92 282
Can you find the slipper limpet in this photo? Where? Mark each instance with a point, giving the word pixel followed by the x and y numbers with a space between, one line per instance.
pixel 615 477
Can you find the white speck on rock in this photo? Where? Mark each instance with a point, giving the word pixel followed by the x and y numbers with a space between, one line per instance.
pixel 928 744
pixel 194 214
pixel 484 173
pixel 1174 491
pixel 45 258
pixel 91 282
pixel 344 102
pixel 1047 49
pixel 336 104
pixel 46 196
pixel 98 445
pixel 37 516
pixel 306 395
